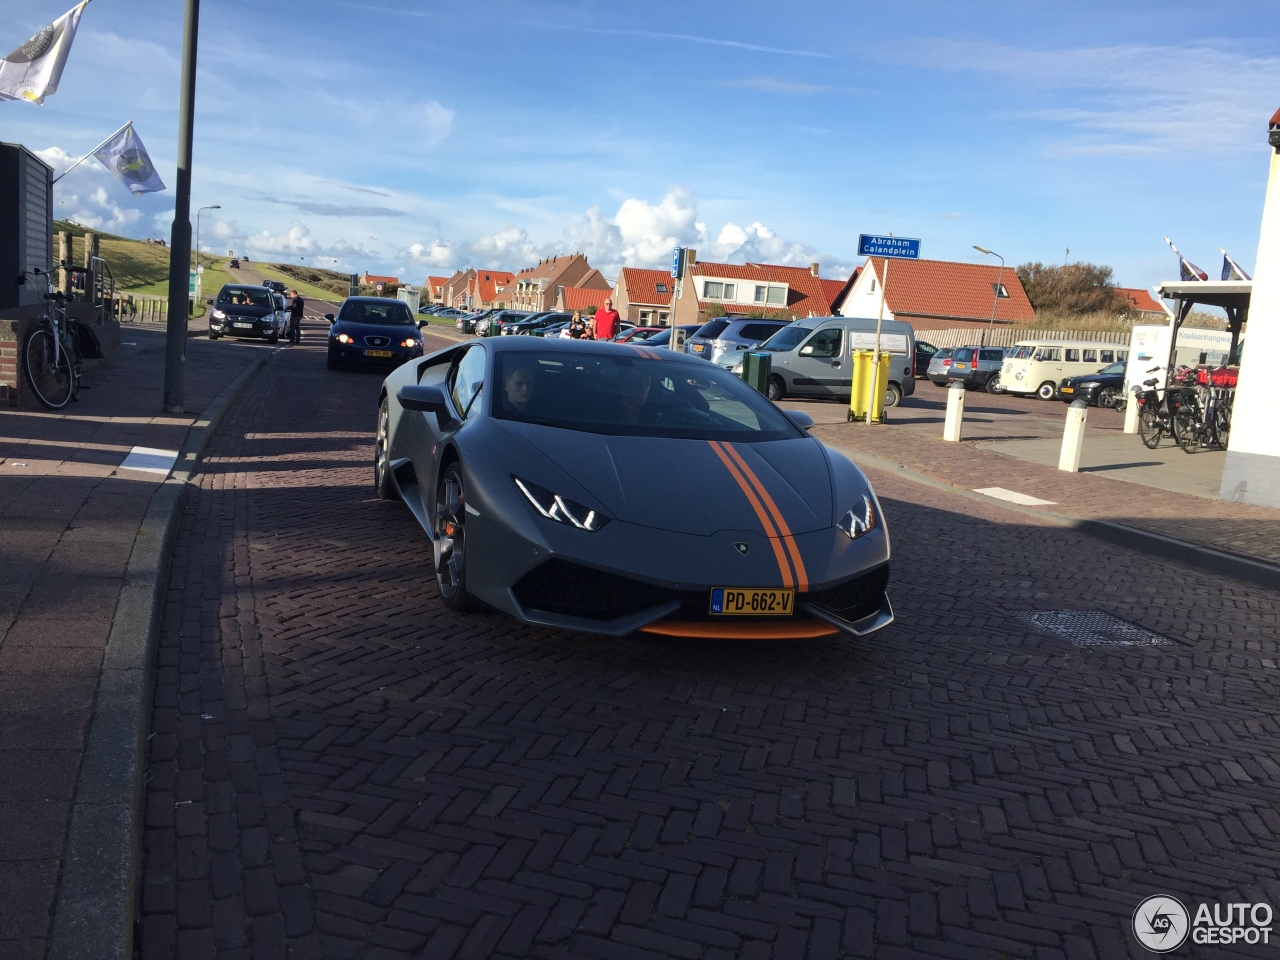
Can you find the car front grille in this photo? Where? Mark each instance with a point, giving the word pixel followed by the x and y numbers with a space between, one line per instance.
pixel 377 341
pixel 569 589
pixel 853 599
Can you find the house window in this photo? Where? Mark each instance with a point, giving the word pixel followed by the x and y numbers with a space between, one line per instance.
pixel 713 290
pixel 1000 290
pixel 778 295
pixel 761 293
pixel 644 316
pixel 662 316
pixel 662 288
pixel 730 291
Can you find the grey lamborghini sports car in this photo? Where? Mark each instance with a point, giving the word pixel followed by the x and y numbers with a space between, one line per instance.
pixel 612 488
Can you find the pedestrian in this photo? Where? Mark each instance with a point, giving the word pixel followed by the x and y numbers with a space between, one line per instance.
pixel 577 326
pixel 296 307
pixel 606 322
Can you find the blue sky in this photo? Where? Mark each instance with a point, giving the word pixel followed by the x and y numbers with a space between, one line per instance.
pixel 408 138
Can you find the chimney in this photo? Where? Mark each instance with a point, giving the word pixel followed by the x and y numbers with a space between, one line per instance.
pixel 813 268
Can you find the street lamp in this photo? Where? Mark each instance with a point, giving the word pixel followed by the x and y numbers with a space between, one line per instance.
pixel 995 301
pixel 214 206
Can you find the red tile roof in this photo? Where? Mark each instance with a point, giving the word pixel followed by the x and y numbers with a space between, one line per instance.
pixel 488 282
pixel 579 298
pixel 436 284
pixel 1139 299
pixel 961 291
pixel 642 286
pixel 374 278
pixel 831 289
pixel 807 296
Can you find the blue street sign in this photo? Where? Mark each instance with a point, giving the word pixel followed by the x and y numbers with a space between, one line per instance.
pixel 677 256
pixel 873 246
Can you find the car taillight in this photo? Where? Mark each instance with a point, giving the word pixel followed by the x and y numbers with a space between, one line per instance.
pixel 946 363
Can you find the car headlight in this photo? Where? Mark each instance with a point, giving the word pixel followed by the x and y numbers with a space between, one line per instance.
pixel 561 509
pixel 409 342
pixel 343 338
pixel 218 315
pixel 1087 383
pixel 861 518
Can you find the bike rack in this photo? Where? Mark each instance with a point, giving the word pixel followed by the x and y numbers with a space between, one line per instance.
pixel 105 307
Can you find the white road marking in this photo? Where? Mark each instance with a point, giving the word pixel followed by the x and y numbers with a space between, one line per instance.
pixel 1000 493
pixel 150 460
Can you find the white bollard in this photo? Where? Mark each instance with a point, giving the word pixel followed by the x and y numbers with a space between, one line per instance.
pixel 955 411
pixel 1073 436
pixel 1131 412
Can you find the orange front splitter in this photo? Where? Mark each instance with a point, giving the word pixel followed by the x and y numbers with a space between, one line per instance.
pixel 807 630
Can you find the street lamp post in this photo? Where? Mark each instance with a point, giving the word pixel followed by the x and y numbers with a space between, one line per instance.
pixel 995 301
pixel 198 212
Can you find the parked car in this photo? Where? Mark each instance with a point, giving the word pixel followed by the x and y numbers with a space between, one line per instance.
pixel 467 323
pixel 537 322
pixel 246 310
pixel 977 367
pixel 636 334
pixel 812 357
pixel 721 339
pixel 663 337
pixel 1038 366
pixel 1103 388
pixel 372 329
pixel 491 326
pixel 939 365
pixel 924 354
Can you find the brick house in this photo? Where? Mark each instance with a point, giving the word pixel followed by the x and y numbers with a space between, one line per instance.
pixel 758 289
pixel 535 288
pixel 1139 301
pixel 435 289
pixel 586 299
pixel 643 297
pixel 473 289
pixel 939 293
pixel 370 279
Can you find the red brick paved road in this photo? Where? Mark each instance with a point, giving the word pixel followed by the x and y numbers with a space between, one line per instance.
pixel 342 768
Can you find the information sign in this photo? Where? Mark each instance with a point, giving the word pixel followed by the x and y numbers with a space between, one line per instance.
pixel 875 246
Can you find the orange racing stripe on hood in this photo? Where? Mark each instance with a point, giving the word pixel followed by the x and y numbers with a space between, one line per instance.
pixel 793 549
pixel 766 522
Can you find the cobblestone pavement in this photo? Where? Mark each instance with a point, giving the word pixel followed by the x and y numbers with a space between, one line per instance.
pixel 913 437
pixel 340 767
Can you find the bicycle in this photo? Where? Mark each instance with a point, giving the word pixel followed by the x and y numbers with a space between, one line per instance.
pixel 50 357
pixel 1206 424
pixel 1158 415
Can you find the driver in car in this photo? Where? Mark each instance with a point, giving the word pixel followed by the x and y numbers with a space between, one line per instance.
pixel 520 385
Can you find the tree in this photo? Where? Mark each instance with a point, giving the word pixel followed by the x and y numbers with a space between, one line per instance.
pixel 712 310
pixel 1073 288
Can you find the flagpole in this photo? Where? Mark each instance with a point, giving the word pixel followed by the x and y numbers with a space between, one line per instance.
pixel 92 152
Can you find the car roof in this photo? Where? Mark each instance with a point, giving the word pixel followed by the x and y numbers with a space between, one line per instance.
pixel 372 300
pixel 500 345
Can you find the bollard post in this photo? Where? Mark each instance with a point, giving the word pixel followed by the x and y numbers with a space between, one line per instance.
pixel 1131 412
pixel 955 412
pixel 1073 437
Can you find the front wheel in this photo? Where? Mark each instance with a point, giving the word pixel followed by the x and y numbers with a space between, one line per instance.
pixel 49 371
pixel 212 335
pixel 451 541
pixel 1047 391
pixel 1110 397
pixel 1186 430
pixel 382 479
pixel 892 395
pixel 993 384
pixel 775 389
pixel 1149 427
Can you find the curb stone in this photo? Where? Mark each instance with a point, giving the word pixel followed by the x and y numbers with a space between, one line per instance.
pixel 1192 555
pixel 93 915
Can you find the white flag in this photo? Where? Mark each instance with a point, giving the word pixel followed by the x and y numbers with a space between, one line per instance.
pixel 126 157
pixel 33 70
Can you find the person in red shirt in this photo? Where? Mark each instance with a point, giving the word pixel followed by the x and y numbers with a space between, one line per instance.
pixel 606 322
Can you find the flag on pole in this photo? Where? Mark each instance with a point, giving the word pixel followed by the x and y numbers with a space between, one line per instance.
pixel 126 157
pixel 33 70
pixel 1186 269
pixel 1230 269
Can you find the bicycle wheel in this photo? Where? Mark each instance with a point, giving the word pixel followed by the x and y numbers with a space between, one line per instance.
pixel 49 373
pixel 1149 427
pixel 1186 429
pixel 1222 424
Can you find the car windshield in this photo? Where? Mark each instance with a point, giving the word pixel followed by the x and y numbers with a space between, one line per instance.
pixel 1020 352
pixel 711 329
pixel 788 338
pixel 244 297
pixel 1113 368
pixel 627 394
pixel 393 312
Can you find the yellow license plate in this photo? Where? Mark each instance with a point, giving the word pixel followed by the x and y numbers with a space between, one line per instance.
pixel 1068 389
pixel 377 353
pixel 752 602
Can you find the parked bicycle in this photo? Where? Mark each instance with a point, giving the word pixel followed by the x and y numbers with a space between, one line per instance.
pixel 1204 420
pixel 50 356
pixel 1158 413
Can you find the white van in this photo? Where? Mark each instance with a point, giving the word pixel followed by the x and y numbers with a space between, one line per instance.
pixel 813 357
pixel 1038 366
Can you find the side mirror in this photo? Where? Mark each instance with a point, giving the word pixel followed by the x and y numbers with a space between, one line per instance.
pixel 799 418
pixel 329 317
pixel 806 351
pixel 426 323
pixel 209 301
pixel 428 398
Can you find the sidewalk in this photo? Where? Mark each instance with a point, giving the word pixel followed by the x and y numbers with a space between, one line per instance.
pixel 70 511
pixel 1012 444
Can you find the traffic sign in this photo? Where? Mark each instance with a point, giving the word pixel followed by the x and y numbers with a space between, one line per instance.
pixel 870 245
pixel 677 261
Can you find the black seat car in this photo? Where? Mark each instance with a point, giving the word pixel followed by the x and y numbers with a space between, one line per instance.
pixel 246 310
pixel 373 330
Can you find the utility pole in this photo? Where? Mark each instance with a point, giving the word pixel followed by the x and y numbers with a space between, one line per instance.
pixel 175 356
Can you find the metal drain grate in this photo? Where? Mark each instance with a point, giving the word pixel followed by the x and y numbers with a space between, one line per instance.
pixel 1093 628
